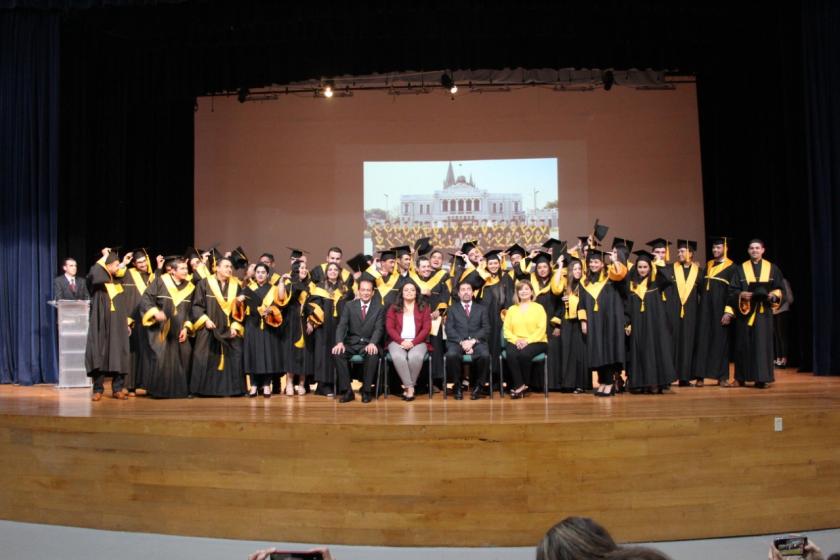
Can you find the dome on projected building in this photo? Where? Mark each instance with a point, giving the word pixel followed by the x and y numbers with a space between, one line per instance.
pixel 461 200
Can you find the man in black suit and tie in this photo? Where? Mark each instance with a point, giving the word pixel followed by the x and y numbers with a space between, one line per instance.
pixel 467 329
pixel 68 286
pixel 359 332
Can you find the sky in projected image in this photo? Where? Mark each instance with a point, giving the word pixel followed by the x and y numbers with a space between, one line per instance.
pixel 496 202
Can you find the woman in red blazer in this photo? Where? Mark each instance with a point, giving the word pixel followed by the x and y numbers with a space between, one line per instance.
pixel 408 323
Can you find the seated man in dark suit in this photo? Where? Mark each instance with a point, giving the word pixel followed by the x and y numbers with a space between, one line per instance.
pixel 68 286
pixel 467 329
pixel 359 332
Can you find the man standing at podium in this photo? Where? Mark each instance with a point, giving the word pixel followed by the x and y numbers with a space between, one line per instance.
pixel 106 352
pixel 68 286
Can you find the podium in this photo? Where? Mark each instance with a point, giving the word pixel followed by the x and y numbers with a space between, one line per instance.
pixel 73 317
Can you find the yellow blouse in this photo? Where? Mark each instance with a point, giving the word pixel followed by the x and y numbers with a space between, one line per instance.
pixel 528 323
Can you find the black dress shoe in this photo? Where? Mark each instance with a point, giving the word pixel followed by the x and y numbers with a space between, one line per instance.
pixel 760 385
pixel 365 396
pixel 459 393
pixel 477 393
pixel 347 397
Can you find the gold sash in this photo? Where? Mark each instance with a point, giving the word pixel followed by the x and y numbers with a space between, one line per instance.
pixel 685 285
pixel 763 276
pixel 226 303
pixel 594 288
pixel 640 290
pixel 138 280
pixel 712 270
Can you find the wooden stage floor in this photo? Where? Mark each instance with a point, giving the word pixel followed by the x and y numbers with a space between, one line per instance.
pixel 700 462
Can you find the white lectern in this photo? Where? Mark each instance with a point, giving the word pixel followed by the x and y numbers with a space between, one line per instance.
pixel 73 317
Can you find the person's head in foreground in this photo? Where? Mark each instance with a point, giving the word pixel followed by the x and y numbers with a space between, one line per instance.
pixel 575 538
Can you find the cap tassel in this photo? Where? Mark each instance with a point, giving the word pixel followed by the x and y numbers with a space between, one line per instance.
pixel 221 361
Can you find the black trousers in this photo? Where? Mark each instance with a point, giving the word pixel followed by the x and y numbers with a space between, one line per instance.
pixel 117 383
pixel 342 367
pixel 519 361
pixel 780 334
pixel 480 363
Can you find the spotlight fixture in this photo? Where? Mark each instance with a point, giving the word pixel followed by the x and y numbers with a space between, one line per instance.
pixel 447 82
pixel 328 89
pixel 609 80
pixel 242 94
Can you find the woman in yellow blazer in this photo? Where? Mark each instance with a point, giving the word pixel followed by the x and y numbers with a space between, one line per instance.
pixel 524 330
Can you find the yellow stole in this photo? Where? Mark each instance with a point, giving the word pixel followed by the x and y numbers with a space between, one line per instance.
pixel 535 285
pixel 640 290
pixel 712 270
pixel 685 285
pixel 763 276
pixel 572 303
pixel 113 289
pixel 428 285
pixel 178 296
pixel 138 280
pixel 594 288
pixel 225 302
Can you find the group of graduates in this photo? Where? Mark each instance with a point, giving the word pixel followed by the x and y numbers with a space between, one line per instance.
pixel 201 322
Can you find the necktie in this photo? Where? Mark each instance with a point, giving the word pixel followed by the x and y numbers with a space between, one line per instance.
pixel 467 309
pixel 73 285
pixel 364 311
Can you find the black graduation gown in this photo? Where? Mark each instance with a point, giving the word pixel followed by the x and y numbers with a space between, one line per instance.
pixel 684 317
pixel 650 361
pixel 170 371
pixel 217 355
pixel 551 300
pixel 605 319
pixel 323 309
pixel 574 372
pixel 142 361
pixel 296 354
pixel 754 324
pixel 496 294
pixel 711 351
pixel 107 348
pixel 669 294
pixel 262 346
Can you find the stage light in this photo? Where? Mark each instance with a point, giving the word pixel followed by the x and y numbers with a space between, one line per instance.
pixel 609 80
pixel 447 82
pixel 328 92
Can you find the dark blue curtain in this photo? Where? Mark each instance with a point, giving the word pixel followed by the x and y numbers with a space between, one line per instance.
pixel 821 50
pixel 29 57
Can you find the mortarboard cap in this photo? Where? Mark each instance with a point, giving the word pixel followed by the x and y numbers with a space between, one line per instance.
pixel 468 246
pixel 401 250
pixel 141 253
pixel 423 246
pixel 584 240
pixel 541 257
pixel 657 243
pixel 388 254
pixel 595 254
pixel 686 244
pixel 112 256
pixel 492 255
pixel 358 263
pixel 192 253
pixel 626 242
pixel 516 249
pixel 720 240
pixel 296 253
pixel 555 246
pixel 599 231
pixel 643 255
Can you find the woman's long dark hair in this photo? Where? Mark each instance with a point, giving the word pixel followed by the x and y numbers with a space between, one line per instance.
pixel 325 283
pixel 420 302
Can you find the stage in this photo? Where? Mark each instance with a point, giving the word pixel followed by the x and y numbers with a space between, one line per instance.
pixel 700 462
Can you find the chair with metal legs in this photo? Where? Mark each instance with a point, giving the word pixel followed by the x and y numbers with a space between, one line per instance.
pixel 428 359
